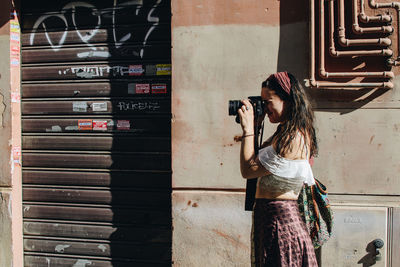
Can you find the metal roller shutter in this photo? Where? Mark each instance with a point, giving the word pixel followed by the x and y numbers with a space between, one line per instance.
pixel 96 138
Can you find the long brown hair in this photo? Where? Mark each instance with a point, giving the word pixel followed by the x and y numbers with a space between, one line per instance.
pixel 299 116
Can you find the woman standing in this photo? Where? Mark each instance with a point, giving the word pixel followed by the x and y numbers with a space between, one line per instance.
pixel 279 236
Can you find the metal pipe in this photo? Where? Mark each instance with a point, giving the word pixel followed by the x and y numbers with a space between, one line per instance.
pixel 386 85
pixel 312 42
pixel 332 49
pixel 395 5
pixel 343 41
pixel 364 18
pixel 319 84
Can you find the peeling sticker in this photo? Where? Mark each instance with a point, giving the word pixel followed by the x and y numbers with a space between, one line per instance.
pixel 15 37
pixel 79 106
pixel 102 248
pixel 15 50
pixel 61 248
pixel 163 69
pixel 54 128
pixel 135 70
pixel 15 97
pixel 123 125
pixel 90 73
pixel 85 124
pixel 71 128
pixel 16 153
pixel 159 88
pixel 82 263
pixel 99 106
pixel 99 125
pixel 13 14
pixel 151 70
pixel 131 88
pixel 14 26
pixel 14 62
pixel 142 88
pixel 94 54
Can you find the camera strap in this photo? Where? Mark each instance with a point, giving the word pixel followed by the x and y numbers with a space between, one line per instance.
pixel 251 184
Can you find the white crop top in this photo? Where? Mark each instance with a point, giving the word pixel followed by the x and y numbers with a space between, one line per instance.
pixel 286 168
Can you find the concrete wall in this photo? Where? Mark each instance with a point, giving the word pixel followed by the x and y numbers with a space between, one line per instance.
pixel 223 50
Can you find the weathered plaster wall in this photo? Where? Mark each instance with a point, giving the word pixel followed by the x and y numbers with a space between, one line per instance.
pixel 5 229
pixel 223 50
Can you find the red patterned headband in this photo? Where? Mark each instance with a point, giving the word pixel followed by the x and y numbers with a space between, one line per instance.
pixel 283 80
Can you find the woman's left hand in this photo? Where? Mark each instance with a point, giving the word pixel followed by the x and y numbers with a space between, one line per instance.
pixel 246 115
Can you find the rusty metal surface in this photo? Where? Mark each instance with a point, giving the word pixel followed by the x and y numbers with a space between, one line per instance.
pixel 151 52
pixel 150 126
pixel 129 161
pixel 98 214
pixel 98 232
pixel 40 38
pixel 85 89
pixel 102 143
pixel 123 106
pixel 123 250
pixel 98 196
pixel 90 70
pixel 96 138
pixel 47 260
pixel 126 179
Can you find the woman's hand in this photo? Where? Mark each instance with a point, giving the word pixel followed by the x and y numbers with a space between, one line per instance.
pixel 246 115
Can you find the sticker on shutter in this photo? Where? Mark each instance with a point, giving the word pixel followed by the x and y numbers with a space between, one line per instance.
pixel 99 106
pixel 163 69
pixel 123 125
pixel 135 70
pixel 99 125
pixel 79 106
pixel 158 88
pixel 85 125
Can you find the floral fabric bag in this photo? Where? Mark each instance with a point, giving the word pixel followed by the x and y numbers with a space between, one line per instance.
pixel 316 212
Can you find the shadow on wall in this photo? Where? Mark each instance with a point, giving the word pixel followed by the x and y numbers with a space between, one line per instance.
pixel 294 56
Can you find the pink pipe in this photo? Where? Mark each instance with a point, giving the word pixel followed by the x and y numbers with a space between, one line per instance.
pixel 395 5
pixel 319 84
pixel 332 49
pixel 343 41
pixel 325 85
pixel 364 18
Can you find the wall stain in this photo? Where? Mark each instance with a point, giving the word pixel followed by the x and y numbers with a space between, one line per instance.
pixel 371 139
pixel 2 109
pixel 234 241
pixel 237 138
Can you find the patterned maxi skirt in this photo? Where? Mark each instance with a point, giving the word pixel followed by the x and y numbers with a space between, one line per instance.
pixel 279 235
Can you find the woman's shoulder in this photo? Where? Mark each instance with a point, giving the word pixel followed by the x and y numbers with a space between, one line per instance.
pixel 299 147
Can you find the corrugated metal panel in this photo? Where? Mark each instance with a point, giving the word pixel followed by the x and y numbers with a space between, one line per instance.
pixel 96 132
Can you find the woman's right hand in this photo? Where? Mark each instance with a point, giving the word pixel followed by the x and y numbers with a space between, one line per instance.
pixel 246 115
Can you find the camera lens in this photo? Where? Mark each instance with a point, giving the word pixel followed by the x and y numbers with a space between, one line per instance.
pixel 234 105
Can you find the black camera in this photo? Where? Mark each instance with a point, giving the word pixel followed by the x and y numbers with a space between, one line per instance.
pixel 256 101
